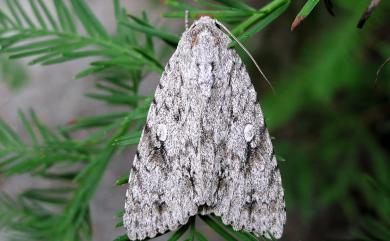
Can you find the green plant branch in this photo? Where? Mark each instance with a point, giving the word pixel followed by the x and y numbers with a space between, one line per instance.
pixel 259 15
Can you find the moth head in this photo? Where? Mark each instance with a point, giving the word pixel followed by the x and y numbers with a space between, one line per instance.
pixel 203 42
pixel 206 31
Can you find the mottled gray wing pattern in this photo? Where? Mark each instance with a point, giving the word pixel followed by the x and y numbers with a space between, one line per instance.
pixel 205 146
pixel 160 194
pixel 249 193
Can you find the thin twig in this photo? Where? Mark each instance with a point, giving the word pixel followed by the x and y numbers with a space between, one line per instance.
pixel 368 12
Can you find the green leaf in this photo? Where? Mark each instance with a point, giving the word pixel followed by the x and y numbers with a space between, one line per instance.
pixel 119 224
pixel 14 13
pixel 8 136
pixel 43 58
pixel 89 71
pixel 57 49
pixel 34 7
pixel 64 16
pixel 121 61
pixel 199 236
pixel 90 22
pixel 176 236
pixel 228 15
pixel 304 12
pixel 120 213
pixel 67 176
pixel 218 228
pixel 170 39
pixel 131 139
pixel 258 15
pixel 23 14
pixel 75 55
pixel 179 4
pixel 28 128
pixel 123 180
pixel 94 121
pixel 6 21
pixel 48 195
pixel 236 4
pixel 47 135
pixel 117 99
pixel 263 22
pixel 149 39
pixel 48 14
pixel 34 45
pixel 242 235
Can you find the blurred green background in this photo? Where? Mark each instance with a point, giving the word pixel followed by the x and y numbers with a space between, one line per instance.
pixel 330 118
pixel 329 115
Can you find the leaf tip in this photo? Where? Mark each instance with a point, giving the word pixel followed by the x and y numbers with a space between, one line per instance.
pixel 297 21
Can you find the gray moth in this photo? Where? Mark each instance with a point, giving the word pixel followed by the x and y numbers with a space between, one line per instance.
pixel 205 148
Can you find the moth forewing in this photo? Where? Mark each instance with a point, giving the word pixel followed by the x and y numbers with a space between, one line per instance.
pixel 205 147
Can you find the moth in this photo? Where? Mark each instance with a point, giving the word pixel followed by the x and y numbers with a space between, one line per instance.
pixel 205 148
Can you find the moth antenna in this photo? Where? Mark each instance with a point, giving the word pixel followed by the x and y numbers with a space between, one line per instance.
pixel 186 13
pixel 247 52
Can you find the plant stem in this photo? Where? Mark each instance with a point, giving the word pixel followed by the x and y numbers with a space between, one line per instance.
pixel 261 13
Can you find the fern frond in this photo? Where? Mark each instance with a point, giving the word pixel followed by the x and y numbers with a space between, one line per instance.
pixel 53 41
pixel 46 148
